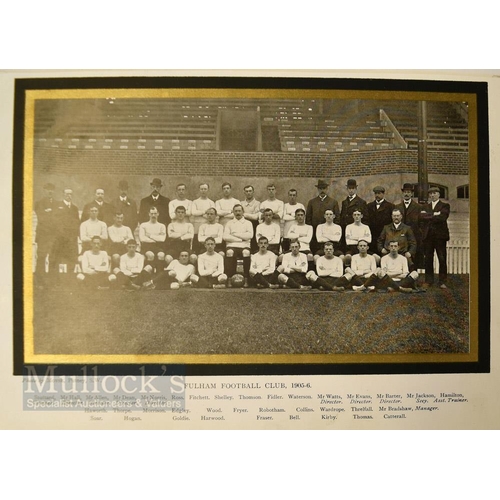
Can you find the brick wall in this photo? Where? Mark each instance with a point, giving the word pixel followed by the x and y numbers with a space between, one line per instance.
pixel 84 170
pixel 214 163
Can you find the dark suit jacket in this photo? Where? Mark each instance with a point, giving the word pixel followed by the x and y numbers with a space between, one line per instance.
pixel 106 212
pixel 411 217
pixel 67 220
pixel 129 210
pixel 45 210
pixel 435 226
pixel 378 218
pixel 348 207
pixel 315 212
pixel 161 204
pixel 403 235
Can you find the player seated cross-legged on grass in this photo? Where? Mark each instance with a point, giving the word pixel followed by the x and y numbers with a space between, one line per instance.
pixel 328 232
pixel 95 266
pixel 179 273
pixel 293 268
pixel 329 271
pixel 238 234
pixel 211 229
pixel 180 236
pixel 152 235
pixel 393 273
pixel 211 267
pixel 362 267
pixel 303 233
pixel 132 273
pixel 270 230
pixel 263 272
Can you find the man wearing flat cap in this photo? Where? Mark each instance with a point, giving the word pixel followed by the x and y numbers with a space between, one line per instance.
pixel 434 223
pixel 127 206
pixel 155 199
pixel 379 215
pixel 45 209
pixel 411 217
pixel 316 208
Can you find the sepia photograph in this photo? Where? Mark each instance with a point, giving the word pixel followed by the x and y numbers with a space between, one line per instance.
pixel 250 222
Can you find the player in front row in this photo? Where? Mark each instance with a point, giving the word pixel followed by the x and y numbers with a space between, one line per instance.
pixel 329 271
pixel 211 267
pixel 95 266
pixel 393 273
pixel 263 266
pixel 179 273
pixel 293 268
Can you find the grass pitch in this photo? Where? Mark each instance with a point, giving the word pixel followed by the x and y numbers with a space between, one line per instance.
pixel 250 321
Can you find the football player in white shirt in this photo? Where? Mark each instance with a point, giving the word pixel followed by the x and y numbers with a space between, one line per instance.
pixel 225 205
pixel 238 234
pixel 362 267
pixel 271 230
pixel 179 273
pixel 353 234
pixel 180 236
pixel 118 235
pixel 211 229
pixel 180 201
pixel 152 235
pixel 293 269
pixel 289 217
pixel 96 266
pixel 263 266
pixel 211 267
pixel 132 273
pixel 277 206
pixel 199 209
pixel 329 232
pixel 303 233
pixel 329 271
pixel 393 273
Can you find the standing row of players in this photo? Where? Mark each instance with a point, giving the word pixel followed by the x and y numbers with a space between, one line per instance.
pixel 237 226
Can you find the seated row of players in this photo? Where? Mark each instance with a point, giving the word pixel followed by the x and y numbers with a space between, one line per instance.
pixel 160 244
pixel 294 271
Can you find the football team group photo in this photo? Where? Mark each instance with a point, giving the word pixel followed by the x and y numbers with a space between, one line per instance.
pixel 250 226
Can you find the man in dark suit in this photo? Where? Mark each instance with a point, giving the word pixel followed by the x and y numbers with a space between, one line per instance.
pixel 435 233
pixel 45 231
pixel 67 230
pixel 315 213
pixel 349 205
pixel 403 234
pixel 126 206
pixel 411 217
pixel 155 199
pixel 106 210
pixel 379 215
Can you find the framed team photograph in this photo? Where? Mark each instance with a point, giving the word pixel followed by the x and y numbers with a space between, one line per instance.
pixel 241 226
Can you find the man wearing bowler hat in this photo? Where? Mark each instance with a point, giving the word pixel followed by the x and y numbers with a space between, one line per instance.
pixel 434 222
pixel 155 199
pixel 125 205
pixel 351 203
pixel 379 215
pixel 315 213
pixel 411 217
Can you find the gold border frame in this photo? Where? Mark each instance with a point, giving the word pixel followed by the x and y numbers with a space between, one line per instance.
pixel 228 93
